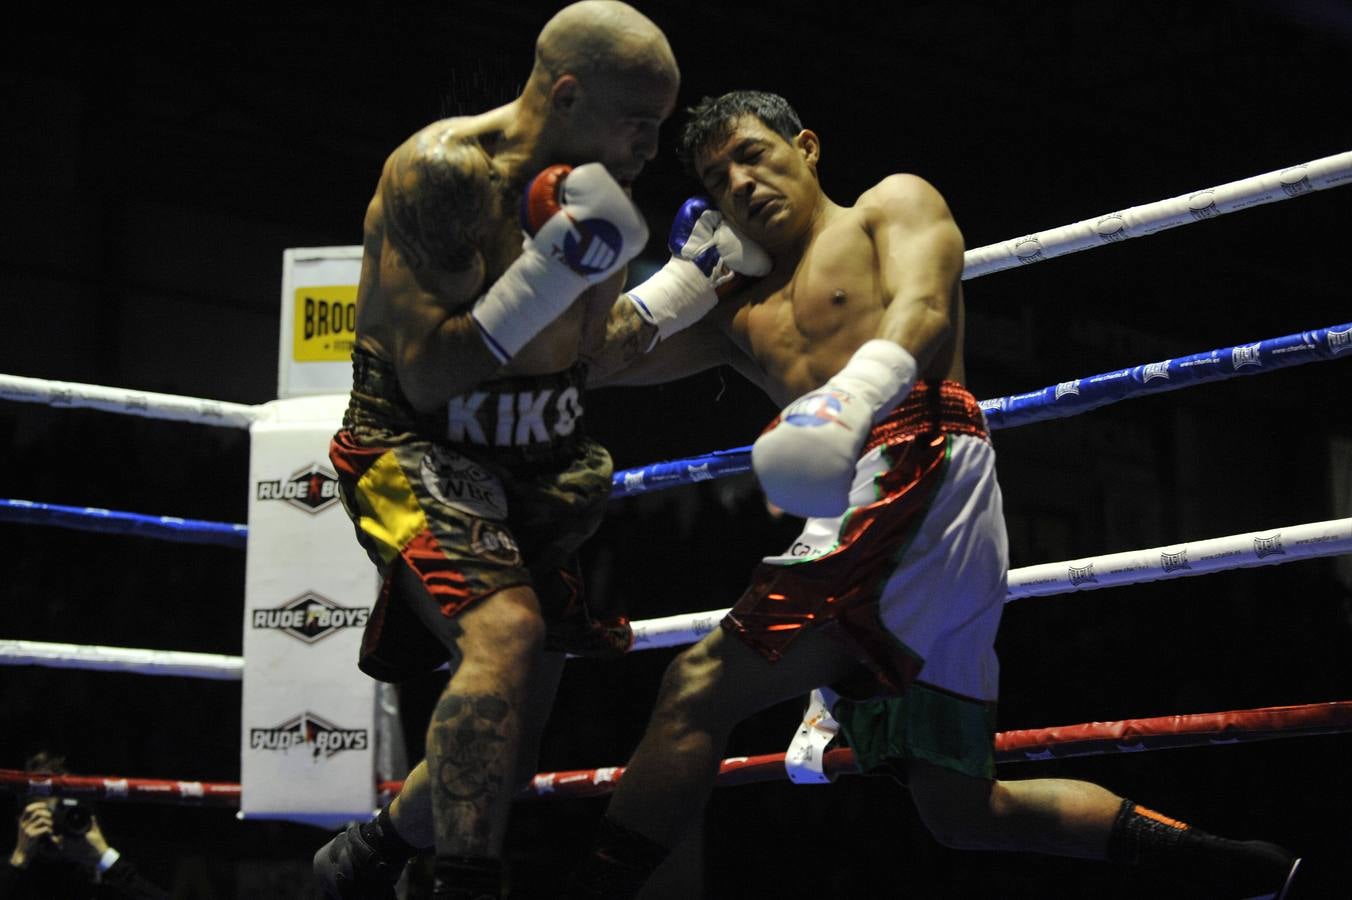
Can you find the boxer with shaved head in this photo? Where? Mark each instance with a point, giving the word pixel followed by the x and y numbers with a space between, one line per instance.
pixel 494 250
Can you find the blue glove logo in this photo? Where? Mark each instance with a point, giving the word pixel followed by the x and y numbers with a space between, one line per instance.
pixel 592 247
pixel 818 408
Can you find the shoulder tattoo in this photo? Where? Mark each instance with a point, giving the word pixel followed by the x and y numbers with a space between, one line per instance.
pixel 438 198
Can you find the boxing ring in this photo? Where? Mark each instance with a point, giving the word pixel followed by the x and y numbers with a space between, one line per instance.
pixel 1278 544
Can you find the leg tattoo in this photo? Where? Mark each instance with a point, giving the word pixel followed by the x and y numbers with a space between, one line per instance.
pixel 471 749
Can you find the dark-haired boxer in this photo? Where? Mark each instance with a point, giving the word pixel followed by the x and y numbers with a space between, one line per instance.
pixel 892 594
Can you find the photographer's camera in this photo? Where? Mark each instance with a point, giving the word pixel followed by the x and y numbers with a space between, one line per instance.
pixel 71 818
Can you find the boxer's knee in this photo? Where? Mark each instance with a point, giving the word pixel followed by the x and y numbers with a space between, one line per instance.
pixel 960 811
pixel 692 691
pixel 503 633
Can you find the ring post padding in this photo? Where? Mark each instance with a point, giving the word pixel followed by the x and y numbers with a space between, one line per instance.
pixel 308 738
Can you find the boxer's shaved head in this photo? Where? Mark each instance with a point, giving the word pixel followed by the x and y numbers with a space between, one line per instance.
pixel 602 37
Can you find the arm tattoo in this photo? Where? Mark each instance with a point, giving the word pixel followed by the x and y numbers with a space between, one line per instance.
pixel 628 336
pixel 468 754
pixel 437 202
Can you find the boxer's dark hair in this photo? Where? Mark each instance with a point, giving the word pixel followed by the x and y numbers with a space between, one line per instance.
pixel 711 121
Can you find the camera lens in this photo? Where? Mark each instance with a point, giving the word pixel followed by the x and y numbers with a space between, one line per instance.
pixel 71 817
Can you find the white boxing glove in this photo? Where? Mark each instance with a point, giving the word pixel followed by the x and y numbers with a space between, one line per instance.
pixel 581 228
pixel 708 257
pixel 805 460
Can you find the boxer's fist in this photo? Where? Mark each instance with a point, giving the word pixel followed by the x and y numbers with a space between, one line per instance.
pixel 805 459
pixel 709 258
pixel 581 228
pixel 582 217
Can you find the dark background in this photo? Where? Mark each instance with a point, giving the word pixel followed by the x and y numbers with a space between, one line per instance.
pixel 156 164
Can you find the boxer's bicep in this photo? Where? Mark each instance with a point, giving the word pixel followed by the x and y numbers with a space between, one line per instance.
pixel 920 254
pixel 437 201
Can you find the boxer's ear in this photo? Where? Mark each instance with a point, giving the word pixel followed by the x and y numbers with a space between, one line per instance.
pixel 808 146
pixel 565 93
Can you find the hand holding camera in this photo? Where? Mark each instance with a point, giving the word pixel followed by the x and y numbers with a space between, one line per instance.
pixel 61 828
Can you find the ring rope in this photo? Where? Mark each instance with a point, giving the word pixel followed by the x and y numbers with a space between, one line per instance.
pixel 70 395
pixel 109 521
pixel 1026 745
pixel 1089 739
pixel 1139 221
pixel 1254 548
pixel 1237 551
pixel 212 666
pixel 1070 398
pixel 1066 398
pixel 195 793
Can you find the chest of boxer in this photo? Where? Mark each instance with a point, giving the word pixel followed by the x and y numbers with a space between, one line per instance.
pixel 803 324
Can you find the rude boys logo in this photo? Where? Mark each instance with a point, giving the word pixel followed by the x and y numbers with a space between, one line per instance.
pixel 312 489
pixel 309 618
pixel 308 731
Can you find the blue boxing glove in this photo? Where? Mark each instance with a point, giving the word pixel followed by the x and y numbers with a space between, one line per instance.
pixel 805 460
pixel 581 228
pixel 708 258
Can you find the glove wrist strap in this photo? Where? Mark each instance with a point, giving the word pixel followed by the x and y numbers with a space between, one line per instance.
pixel 881 373
pixel 534 291
pixel 675 297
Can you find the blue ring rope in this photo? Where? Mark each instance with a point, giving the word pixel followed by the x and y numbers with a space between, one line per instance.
pixel 1057 401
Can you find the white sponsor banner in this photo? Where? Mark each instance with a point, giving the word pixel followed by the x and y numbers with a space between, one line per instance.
pixel 308 736
pixel 319 320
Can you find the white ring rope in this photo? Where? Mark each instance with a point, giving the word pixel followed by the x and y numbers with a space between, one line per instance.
pixel 215 666
pixel 67 394
pixel 1139 221
pixel 1239 551
pixel 1236 551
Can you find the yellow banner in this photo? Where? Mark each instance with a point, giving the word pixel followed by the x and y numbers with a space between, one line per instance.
pixel 325 323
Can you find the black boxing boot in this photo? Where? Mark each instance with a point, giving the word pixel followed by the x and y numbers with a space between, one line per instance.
pixel 363 862
pixel 1222 867
pixel 467 878
pixel 620 862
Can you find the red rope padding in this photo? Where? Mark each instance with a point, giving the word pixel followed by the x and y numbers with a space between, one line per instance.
pixel 1090 739
pixel 1165 732
pixel 193 793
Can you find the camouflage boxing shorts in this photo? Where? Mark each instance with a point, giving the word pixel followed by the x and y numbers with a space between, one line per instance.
pixel 499 492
